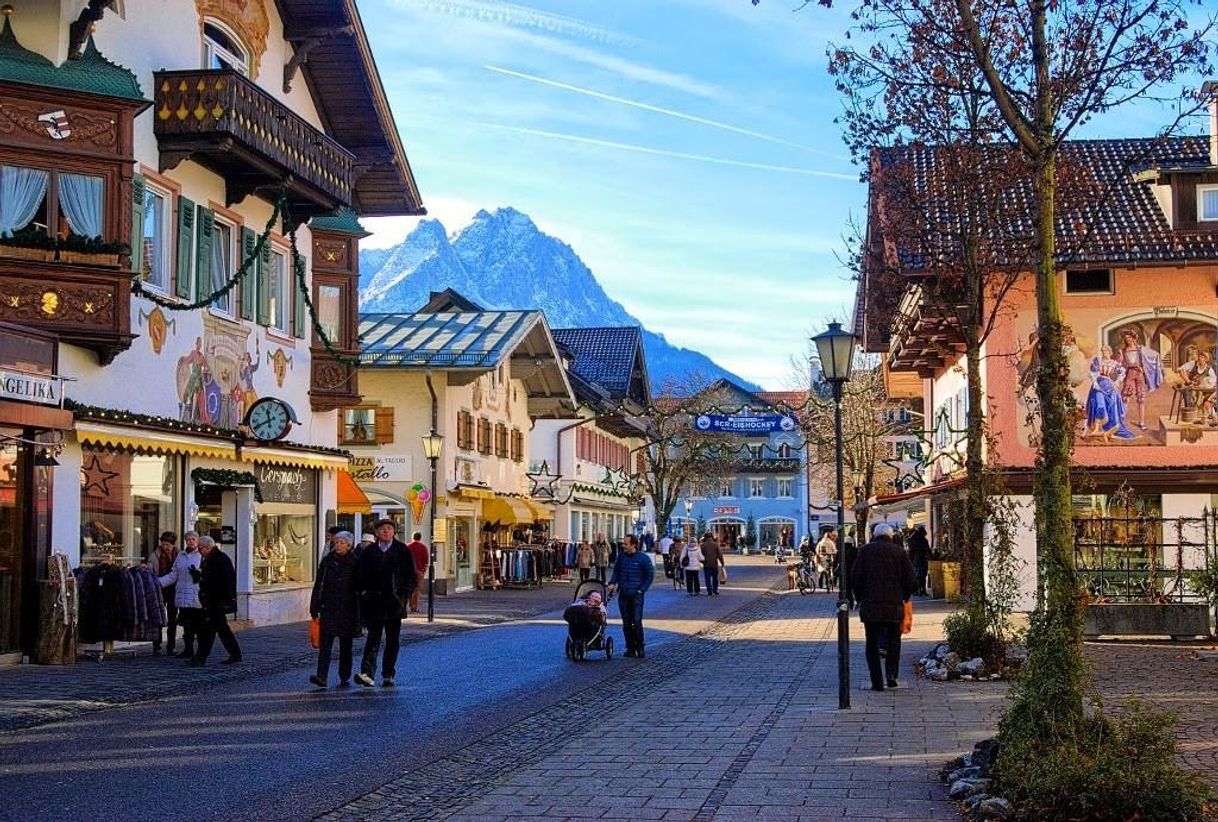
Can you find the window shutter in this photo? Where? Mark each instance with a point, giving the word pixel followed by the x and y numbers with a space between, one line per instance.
pixel 299 320
pixel 186 236
pixel 249 280
pixel 264 285
pixel 384 425
pixel 206 226
pixel 138 189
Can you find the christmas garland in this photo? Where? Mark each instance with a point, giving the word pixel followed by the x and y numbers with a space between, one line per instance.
pixel 226 478
pixel 98 414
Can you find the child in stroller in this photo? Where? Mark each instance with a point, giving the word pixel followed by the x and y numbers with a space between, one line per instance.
pixel 586 621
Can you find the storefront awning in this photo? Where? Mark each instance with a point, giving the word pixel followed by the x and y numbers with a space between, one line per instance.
pixel 294 458
pixel 506 510
pixel 351 498
pixel 474 493
pixel 540 511
pixel 152 442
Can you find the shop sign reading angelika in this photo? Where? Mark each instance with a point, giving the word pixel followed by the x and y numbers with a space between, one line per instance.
pixel 381 468
pixel 25 386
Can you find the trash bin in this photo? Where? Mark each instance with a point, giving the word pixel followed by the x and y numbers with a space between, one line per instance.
pixel 935 578
pixel 951 580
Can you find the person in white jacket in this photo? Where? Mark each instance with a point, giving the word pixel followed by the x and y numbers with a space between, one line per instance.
pixel 691 562
pixel 186 591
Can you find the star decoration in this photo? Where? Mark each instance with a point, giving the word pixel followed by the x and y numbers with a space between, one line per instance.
pixel 544 483
pixel 617 480
pixel 95 475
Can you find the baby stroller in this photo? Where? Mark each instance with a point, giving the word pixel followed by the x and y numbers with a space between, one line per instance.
pixel 585 627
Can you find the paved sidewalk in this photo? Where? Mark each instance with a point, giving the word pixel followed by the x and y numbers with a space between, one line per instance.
pixel 36 694
pixel 740 722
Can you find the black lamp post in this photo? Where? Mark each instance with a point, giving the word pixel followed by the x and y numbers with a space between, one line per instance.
pixel 835 348
pixel 689 510
pixel 433 444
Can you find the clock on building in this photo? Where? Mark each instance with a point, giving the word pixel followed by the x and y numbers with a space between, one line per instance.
pixel 270 419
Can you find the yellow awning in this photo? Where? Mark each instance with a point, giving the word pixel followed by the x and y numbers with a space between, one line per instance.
pixel 506 510
pixel 474 493
pixel 540 511
pixel 351 498
pixel 293 458
pixel 152 442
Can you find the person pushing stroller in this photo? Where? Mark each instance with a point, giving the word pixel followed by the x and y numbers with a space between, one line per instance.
pixel 586 620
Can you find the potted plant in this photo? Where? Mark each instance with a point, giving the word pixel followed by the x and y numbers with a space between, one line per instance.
pixel 29 244
pixel 80 250
pixel 750 535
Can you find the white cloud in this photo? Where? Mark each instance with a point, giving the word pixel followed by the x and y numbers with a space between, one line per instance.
pixel 516 16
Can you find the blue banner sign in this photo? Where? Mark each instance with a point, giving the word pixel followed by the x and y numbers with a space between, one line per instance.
pixel 756 424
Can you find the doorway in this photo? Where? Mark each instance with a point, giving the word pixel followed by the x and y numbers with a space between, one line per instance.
pixel 727 532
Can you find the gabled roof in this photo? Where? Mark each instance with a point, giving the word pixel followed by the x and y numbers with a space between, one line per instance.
pixel 611 358
pixel 91 73
pixel 449 300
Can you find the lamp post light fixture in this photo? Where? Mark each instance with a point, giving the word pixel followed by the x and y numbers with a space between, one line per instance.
pixel 689 511
pixel 433 444
pixel 835 348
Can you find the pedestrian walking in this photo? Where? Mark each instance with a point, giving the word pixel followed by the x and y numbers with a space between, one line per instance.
pixel 600 551
pixel 336 606
pixel 826 557
pixel 712 561
pixel 185 589
pixel 850 553
pixel 691 564
pixel 883 580
pixel 160 560
pixel 585 558
pixel 919 555
pixel 665 548
pixel 674 562
pixel 633 573
pixel 422 557
pixel 218 597
pixel 385 578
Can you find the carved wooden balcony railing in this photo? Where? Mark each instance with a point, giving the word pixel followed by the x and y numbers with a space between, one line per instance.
pixel 225 122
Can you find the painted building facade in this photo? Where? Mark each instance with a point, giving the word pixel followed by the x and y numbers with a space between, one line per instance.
pixel 189 158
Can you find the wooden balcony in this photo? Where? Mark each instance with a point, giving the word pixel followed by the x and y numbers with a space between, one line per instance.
pixel 222 120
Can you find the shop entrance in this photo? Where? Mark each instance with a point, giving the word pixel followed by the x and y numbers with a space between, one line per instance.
pixel 775 532
pixel 24 541
pixel 727 531
pixel 462 529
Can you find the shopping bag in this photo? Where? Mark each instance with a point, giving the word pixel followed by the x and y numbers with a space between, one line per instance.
pixel 722 575
pixel 315 633
pixel 907 622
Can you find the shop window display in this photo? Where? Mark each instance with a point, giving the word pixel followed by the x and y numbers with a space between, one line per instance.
pixel 126 502
pixel 283 549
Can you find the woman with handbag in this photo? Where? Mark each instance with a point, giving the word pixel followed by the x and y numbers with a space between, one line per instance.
pixel 336 607
pixel 691 563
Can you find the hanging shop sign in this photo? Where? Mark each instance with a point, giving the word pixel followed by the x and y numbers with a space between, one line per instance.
pixel 727 509
pixel 381 468
pixel 286 484
pixel 755 424
pixel 26 386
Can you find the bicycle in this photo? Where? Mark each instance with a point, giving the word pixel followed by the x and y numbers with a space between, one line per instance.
pixel 805 578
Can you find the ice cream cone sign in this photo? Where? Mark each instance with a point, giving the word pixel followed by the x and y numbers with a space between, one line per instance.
pixel 418 496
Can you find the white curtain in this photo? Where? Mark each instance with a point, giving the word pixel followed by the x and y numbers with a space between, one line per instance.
pixel 21 192
pixel 80 196
pixel 221 256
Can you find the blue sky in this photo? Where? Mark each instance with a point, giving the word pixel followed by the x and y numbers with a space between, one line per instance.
pixel 685 149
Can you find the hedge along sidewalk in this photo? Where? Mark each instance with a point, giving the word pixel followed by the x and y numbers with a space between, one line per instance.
pixel 37 694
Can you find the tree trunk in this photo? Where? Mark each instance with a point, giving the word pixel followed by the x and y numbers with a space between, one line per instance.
pixel 976 503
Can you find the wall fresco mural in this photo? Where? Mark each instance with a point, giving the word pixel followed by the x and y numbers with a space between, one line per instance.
pixel 216 378
pixel 1138 378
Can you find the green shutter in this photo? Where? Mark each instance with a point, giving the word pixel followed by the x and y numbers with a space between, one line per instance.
pixel 264 285
pixel 206 226
pixel 249 280
pixel 186 237
pixel 299 323
pixel 138 189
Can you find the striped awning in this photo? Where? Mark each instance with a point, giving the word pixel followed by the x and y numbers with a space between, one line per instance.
pixel 294 458
pixel 151 442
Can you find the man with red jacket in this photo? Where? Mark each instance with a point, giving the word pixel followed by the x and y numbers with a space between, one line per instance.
pixel 422 556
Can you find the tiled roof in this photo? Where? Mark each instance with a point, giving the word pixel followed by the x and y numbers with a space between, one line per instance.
pixel 449 340
pixel 792 399
pixel 343 221
pixel 1117 221
pixel 90 73
pixel 602 356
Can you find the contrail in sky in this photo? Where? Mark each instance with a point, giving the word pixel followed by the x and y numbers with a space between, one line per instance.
pixel 702 158
pixel 658 110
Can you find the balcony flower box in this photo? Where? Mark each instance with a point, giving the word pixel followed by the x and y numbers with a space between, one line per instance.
pixel 89 258
pixel 17 252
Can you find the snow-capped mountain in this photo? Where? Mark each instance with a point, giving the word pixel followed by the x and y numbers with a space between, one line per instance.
pixel 501 261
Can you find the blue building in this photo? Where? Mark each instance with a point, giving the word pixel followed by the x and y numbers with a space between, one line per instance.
pixel 769 478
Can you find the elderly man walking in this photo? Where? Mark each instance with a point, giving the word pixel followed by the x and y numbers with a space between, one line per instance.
pixel 633 573
pixel 218 595
pixel 384 578
pixel 882 580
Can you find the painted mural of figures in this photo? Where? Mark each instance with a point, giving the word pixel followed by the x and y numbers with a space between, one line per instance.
pixel 1078 368
pixel 1200 382
pixel 190 377
pixel 244 394
pixel 1143 372
pixel 1105 408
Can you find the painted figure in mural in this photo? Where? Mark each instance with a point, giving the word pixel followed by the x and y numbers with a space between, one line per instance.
pixel 1105 408
pixel 1143 372
pixel 1200 382
pixel 193 365
pixel 249 365
pixel 1078 372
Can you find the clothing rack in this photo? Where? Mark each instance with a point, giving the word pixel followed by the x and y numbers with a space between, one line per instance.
pixel 118 602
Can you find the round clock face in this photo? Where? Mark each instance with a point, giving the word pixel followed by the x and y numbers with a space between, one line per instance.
pixel 269 419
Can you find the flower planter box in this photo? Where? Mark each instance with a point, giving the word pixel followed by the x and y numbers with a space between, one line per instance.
pixel 1178 620
pixel 16 252
pixel 88 258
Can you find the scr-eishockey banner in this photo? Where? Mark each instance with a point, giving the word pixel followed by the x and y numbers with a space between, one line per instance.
pixel 756 424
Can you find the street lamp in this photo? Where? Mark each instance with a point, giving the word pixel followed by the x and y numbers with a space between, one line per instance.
pixel 835 348
pixel 433 443
pixel 689 510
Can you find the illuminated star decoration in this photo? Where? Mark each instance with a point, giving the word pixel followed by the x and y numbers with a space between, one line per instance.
pixel 96 476
pixel 617 480
pixel 543 481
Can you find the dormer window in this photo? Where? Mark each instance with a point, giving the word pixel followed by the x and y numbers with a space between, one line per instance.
pixel 222 50
pixel 1207 203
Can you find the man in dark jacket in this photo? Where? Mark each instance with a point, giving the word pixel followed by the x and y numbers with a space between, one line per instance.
pixel 919 555
pixel 882 580
pixel 712 559
pixel 217 581
pixel 850 553
pixel 421 556
pixel 385 578
pixel 633 573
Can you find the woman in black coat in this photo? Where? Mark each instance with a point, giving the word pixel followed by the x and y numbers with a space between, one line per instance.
pixel 336 605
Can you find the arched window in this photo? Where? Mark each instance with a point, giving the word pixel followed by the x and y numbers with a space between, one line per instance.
pixel 222 50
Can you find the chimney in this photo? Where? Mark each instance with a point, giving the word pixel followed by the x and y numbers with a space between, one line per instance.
pixel 1209 90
